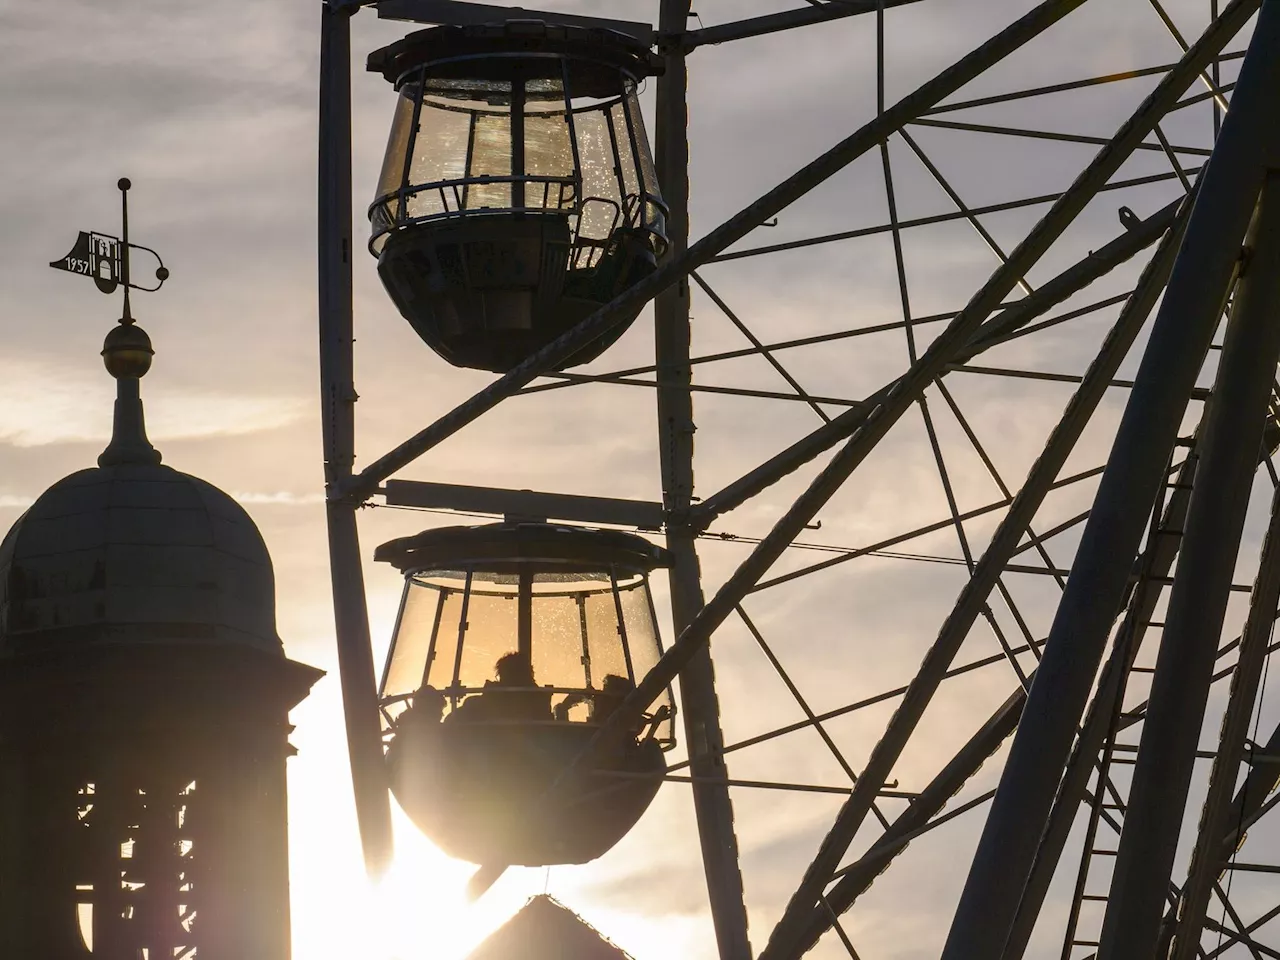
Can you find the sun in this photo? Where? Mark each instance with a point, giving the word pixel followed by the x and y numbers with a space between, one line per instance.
pixel 424 906
pixel 419 909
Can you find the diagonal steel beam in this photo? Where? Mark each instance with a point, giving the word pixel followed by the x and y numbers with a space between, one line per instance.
pixel 554 379
pixel 1182 332
pixel 1174 162
pixel 1255 948
pixel 1251 801
pixel 856 878
pixel 1074 279
pixel 1043 16
pixel 1071 281
pixel 775 347
pixel 1034 541
pixel 1181 41
pixel 1065 317
pixel 1206 860
pixel 847 709
pixel 1201 587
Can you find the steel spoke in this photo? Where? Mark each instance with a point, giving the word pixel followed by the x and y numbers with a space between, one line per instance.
pixel 1162 146
pixel 940 218
pixel 960 204
pixel 759 347
pixel 1072 85
pixel 802 703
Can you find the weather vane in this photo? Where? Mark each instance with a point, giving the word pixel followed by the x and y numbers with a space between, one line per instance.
pixel 106 258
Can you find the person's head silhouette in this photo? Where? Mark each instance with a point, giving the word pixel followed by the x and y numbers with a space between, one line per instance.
pixel 617 686
pixel 515 670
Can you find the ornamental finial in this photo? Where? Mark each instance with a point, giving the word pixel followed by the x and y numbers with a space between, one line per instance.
pixel 126 352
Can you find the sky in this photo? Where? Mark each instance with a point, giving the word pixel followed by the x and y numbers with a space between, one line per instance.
pixel 210 109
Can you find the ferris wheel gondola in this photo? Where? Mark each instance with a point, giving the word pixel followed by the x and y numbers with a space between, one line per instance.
pixel 514 644
pixel 518 191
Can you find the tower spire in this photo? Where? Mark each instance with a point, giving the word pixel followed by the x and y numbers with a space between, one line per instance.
pixel 126 350
pixel 127 354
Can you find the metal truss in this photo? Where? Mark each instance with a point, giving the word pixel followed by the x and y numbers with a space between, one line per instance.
pixel 1106 620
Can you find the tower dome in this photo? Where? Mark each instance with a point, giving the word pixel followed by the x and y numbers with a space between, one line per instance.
pixel 134 552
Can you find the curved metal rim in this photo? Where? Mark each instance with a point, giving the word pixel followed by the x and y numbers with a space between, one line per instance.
pixel 455 215
pixel 455 547
pixel 606 47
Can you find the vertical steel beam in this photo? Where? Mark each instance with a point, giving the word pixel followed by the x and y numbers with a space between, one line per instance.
pixel 1162 550
pixel 1182 331
pixel 524 616
pixel 1207 862
pixel 355 653
pixel 1202 582
pixel 699 702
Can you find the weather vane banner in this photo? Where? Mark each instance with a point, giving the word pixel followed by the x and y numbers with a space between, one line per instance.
pixel 94 255
pixel 107 259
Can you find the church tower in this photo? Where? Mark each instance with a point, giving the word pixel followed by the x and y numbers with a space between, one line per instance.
pixel 144 701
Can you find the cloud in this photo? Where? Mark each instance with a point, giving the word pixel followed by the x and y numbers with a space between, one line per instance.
pixel 281 498
pixel 46 403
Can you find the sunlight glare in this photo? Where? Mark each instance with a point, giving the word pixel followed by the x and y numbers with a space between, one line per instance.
pixel 423 906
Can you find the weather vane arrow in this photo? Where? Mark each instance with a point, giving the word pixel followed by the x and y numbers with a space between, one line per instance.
pixel 106 258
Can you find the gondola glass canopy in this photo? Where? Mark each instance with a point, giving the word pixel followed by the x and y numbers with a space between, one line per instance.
pixel 518 191
pixel 514 644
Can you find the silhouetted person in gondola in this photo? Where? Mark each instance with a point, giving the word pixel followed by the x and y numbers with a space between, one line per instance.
pixel 513 697
pixel 422 717
pixel 426 708
pixel 614 690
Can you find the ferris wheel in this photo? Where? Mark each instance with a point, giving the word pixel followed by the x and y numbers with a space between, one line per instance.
pixel 985 542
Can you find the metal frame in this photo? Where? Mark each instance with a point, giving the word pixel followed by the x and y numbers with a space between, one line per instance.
pixel 1056 745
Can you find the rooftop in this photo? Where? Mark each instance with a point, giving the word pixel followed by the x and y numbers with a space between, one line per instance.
pixel 546 929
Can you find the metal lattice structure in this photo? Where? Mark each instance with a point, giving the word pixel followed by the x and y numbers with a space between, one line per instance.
pixel 1110 570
